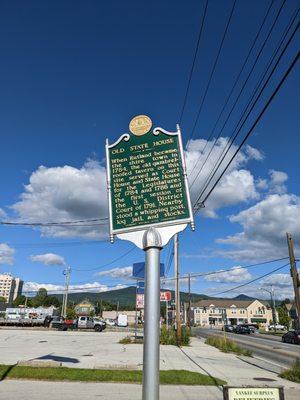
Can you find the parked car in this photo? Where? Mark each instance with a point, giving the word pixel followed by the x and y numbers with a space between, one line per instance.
pixel 291 337
pixel 252 328
pixel 242 329
pixel 277 327
pixel 228 328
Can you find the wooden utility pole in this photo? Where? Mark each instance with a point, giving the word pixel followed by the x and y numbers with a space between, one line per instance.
pixel 177 289
pixel 295 277
pixel 190 302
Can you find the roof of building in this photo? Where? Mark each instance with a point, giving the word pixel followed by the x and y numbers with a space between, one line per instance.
pixel 227 303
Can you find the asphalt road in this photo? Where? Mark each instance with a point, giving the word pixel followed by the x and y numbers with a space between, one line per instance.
pixel 268 348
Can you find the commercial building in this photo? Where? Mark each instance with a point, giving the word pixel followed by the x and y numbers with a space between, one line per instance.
pixel 84 308
pixel 232 312
pixel 10 287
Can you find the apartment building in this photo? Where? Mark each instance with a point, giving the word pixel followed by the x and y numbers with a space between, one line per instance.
pixel 232 312
pixel 10 287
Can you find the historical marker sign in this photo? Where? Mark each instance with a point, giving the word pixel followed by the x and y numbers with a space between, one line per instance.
pixel 253 393
pixel 147 180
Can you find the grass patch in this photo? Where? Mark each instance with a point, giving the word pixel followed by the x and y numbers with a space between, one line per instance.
pixel 170 377
pixel 227 345
pixel 125 340
pixel 293 373
pixel 278 333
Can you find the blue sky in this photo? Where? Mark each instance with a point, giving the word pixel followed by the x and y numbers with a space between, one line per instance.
pixel 75 73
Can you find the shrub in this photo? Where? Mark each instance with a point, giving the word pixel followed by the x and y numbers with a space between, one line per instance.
pixel 293 373
pixel 168 336
pixel 125 340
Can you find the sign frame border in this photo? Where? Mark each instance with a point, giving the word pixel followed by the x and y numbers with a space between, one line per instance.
pixel 190 220
pixel 226 394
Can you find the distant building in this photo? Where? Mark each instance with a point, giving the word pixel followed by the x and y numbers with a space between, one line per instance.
pixel 232 312
pixel 84 308
pixel 10 287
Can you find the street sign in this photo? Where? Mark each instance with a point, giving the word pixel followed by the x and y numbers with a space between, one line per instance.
pixel 147 182
pixel 253 393
pixel 165 296
pixel 140 298
pixel 138 270
pixel 140 301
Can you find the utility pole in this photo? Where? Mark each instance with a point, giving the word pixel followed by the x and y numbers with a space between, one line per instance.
pixel 177 288
pixel 190 302
pixel 295 277
pixel 273 306
pixel 67 273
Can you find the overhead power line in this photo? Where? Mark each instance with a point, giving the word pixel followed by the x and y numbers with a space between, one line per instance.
pixel 61 223
pixel 221 271
pixel 253 280
pixel 230 94
pixel 193 62
pixel 109 263
pixel 292 65
pixel 213 70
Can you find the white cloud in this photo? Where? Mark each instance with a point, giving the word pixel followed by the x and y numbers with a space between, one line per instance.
pixel 48 259
pixel 226 193
pixel 66 194
pixel 235 274
pixel 2 213
pixel 6 254
pixel 118 273
pixel 94 287
pixel 264 229
pixel 254 153
pixel 277 181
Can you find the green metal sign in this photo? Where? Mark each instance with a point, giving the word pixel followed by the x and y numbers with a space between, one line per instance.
pixel 147 181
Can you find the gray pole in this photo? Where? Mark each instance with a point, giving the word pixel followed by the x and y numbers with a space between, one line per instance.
pixel 152 245
pixel 177 289
pixel 68 273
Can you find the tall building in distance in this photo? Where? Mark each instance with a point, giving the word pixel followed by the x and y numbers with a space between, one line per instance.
pixel 10 287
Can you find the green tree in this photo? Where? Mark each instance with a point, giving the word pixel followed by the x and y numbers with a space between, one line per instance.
pixel 21 301
pixel 71 314
pixel 2 299
pixel 283 316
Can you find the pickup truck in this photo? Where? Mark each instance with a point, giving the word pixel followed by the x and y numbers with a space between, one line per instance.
pixel 85 322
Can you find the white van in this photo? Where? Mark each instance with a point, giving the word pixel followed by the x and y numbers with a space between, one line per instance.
pixel 122 320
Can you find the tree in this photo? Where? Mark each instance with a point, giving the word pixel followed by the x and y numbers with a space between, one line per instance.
pixel 21 301
pixel 2 299
pixel 283 316
pixel 71 314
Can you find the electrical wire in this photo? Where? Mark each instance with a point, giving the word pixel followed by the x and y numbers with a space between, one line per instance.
pixel 132 248
pixel 243 87
pixel 229 96
pixel 62 223
pixel 257 119
pixel 232 137
pixel 221 271
pixel 212 71
pixel 253 280
pixel 194 62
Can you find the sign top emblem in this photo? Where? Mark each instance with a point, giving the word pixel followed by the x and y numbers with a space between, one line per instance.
pixel 140 125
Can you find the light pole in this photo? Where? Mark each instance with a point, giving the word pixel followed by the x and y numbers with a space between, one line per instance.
pixel 271 292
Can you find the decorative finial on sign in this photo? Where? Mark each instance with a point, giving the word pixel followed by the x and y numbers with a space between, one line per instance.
pixel 140 125
pixel 152 238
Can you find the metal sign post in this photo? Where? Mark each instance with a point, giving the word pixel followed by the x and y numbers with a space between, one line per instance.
pixel 149 202
pixel 152 246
